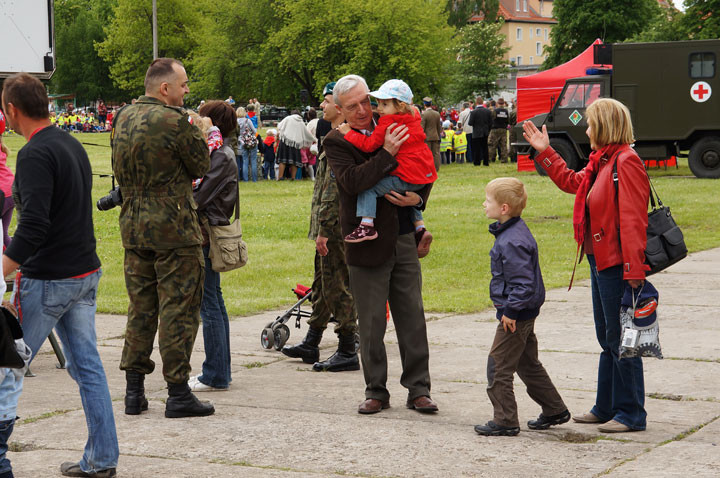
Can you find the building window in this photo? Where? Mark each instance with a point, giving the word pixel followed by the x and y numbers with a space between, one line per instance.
pixel 518 34
pixel 538 48
pixel 530 32
pixel 524 5
pixel 531 61
pixel 546 34
pixel 517 5
pixel 518 60
pixel 702 65
pixel 537 32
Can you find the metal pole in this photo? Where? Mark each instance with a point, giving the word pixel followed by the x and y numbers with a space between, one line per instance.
pixel 154 26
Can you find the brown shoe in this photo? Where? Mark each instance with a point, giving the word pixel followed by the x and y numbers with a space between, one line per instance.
pixel 422 404
pixel 423 238
pixel 587 418
pixel 614 427
pixel 372 405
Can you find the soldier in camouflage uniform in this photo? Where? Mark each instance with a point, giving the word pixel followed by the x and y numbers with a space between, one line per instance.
pixel 331 286
pixel 157 151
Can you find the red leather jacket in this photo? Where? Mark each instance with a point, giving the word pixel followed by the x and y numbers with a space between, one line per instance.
pixel 615 219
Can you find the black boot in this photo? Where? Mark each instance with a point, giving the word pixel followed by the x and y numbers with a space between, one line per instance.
pixel 344 359
pixel 308 349
pixel 135 401
pixel 182 403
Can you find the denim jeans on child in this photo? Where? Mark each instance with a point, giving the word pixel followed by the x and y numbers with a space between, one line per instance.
pixel 268 170
pixel 249 158
pixel 216 330
pixel 10 389
pixel 69 306
pixel 367 200
pixel 621 387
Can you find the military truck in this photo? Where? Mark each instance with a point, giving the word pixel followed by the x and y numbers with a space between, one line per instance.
pixel 672 90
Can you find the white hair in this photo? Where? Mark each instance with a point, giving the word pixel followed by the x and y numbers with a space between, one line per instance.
pixel 345 84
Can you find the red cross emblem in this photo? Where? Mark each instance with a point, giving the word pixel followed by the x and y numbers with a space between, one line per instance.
pixel 700 91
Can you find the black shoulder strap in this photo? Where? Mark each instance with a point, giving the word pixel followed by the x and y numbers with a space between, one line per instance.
pixel 653 194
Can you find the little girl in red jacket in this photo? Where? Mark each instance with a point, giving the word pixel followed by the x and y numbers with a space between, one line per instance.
pixel 415 169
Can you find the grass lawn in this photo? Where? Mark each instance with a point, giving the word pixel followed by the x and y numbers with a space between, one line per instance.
pixel 275 220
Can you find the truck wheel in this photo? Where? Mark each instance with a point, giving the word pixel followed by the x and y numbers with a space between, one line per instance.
pixel 704 159
pixel 565 149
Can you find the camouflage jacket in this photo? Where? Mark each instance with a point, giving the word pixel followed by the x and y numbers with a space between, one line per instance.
pixel 157 152
pixel 325 212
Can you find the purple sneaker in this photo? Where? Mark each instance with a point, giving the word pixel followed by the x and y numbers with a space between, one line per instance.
pixel 362 233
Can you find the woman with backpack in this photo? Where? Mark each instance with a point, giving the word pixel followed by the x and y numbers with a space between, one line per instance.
pixel 247 144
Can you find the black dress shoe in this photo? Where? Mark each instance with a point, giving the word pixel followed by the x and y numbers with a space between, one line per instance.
pixel 492 429
pixel 73 469
pixel 543 422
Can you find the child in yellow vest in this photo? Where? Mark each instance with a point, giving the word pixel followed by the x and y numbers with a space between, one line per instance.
pixel 446 142
pixel 460 144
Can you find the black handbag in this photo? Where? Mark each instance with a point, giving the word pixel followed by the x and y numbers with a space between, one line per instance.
pixel 10 331
pixel 665 242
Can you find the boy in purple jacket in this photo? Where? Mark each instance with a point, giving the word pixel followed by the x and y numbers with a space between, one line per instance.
pixel 518 292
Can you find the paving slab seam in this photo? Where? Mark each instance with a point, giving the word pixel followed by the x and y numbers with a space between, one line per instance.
pixel 246 464
pixel 679 437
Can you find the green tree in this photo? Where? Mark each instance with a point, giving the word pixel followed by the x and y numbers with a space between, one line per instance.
pixel 460 11
pixel 128 43
pixel 480 60
pixel 701 20
pixel 580 22
pixel 665 26
pixel 79 69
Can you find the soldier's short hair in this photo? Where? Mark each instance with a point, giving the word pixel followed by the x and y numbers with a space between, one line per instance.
pixel 221 114
pixel 161 69
pixel 27 94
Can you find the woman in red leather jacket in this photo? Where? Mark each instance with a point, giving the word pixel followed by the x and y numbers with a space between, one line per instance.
pixel 604 217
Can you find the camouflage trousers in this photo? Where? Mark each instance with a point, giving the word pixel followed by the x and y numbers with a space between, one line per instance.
pixel 331 291
pixel 513 149
pixel 165 288
pixel 498 142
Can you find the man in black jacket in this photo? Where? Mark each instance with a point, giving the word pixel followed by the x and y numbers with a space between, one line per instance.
pixel 54 247
pixel 481 121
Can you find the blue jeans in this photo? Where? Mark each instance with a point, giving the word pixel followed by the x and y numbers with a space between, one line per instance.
pixel 239 161
pixel 6 428
pixel 216 330
pixel 69 306
pixel 268 170
pixel 367 200
pixel 621 387
pixel 249 155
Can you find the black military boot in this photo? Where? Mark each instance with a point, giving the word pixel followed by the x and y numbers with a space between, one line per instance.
pixel 344 359
pixel 135 401
pixel 308 349
pixel 182 403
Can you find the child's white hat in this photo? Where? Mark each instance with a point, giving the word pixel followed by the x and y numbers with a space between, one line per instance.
pixel 397 89
pixel 446 124
pixel 272 131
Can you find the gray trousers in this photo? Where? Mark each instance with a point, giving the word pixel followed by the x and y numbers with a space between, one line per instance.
pixel 398 281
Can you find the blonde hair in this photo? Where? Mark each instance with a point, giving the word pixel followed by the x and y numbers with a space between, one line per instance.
pixel 202 122
pixel 240 112
pixel 510 191
pixel 610 123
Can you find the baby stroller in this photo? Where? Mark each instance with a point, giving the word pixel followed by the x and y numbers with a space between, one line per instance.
pixel 276 333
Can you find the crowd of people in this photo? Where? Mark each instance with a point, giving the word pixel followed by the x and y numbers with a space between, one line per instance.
pixel 374 171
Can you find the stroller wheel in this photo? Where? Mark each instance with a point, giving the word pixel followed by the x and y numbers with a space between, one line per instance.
pixel 267 338
pixel 281 336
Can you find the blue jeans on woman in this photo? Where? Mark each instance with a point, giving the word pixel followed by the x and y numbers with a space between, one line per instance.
pixel 249 156
pixel 621 386
pixel 216 330
pixel 239 161
pixel 69 306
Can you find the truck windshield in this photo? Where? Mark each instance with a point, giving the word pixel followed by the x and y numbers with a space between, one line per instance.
pixel 580 95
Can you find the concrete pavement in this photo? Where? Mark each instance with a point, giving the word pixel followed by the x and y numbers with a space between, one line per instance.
pixel 280 419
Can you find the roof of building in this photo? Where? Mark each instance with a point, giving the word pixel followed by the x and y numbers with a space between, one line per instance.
pixel 506 9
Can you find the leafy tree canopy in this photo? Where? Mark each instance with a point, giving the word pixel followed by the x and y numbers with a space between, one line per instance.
pixel 580 22
pixel 460 11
